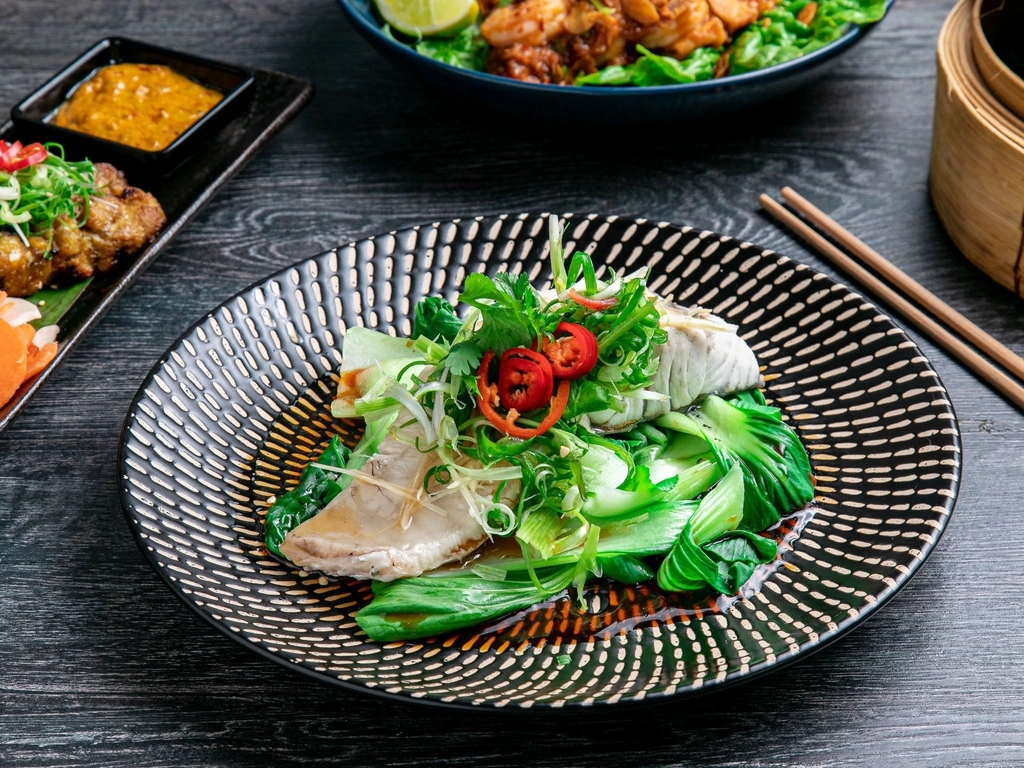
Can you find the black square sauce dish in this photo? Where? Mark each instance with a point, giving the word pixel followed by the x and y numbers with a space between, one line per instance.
pixel 34 116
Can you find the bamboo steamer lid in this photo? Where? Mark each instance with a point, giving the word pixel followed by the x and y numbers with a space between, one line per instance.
pixel 977 159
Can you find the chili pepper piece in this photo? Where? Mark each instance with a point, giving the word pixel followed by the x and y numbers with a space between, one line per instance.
pixel 8 151
pixel 525 380
pixel 598 305
pixel 574 355
pixel 17 157
pixel 489 395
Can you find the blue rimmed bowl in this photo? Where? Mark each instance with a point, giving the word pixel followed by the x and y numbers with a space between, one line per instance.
pixel 606 104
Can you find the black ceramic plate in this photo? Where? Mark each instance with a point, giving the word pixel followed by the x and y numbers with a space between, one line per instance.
pixel 228 417
pixel 276 99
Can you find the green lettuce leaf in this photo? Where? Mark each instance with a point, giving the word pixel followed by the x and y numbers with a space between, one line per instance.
pixel 466 50
pixel 785 37
pixel 654 69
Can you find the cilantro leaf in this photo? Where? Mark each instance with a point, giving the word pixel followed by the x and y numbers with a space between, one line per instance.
pixel 464 359
pixel 479 286
pixel 503 329
pixel 508 308
pixel 516 288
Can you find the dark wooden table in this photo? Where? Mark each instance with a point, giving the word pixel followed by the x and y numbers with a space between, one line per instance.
pixel 101 665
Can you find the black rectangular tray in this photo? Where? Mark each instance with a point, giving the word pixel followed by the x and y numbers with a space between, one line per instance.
pixel 275 100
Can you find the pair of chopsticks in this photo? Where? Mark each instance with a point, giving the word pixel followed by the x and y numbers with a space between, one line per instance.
pixel 948 316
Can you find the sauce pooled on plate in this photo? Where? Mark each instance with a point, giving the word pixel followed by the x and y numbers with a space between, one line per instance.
pixel 146 106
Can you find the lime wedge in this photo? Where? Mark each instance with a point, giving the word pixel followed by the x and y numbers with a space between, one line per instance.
pixel 428 17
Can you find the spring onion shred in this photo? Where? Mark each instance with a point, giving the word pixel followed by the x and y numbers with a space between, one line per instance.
pixel 34 198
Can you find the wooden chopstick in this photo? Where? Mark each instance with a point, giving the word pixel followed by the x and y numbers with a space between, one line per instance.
pixel 906 284
pixel 952 344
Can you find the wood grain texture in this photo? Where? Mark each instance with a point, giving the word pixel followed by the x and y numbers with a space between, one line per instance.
pixel 101 665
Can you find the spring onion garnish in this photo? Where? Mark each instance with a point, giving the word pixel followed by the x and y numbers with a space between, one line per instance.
pixel 38 187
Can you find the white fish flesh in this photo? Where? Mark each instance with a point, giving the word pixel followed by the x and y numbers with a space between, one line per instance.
pixel 378 528
pixel 702 356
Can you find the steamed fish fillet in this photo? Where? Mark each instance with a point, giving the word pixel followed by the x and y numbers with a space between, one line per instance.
pixel 370 531
pixel 702 356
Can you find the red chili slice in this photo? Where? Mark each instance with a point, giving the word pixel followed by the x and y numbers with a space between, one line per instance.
pixel 7 152
pixel 573 352
pixel 15 157
pixel 598 305
pixel 525 381
pixel 489 397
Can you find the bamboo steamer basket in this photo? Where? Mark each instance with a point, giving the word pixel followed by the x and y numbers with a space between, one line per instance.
pixel 977 158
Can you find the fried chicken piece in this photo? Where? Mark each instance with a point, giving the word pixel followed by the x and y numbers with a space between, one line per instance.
pixel 122 219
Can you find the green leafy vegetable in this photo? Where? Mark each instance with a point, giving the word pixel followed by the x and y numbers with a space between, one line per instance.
pixel 466 50
pixel 776 37
pixel 625 569
pixel 464 358
pixel 653 69
pixel 430 605
pixel 435 318
pixel 373 362
pixel 784 37
pixel 588 397
pixel 53 303
pixel 365 348
pixel 776 470
pixel 512 316
pixel 605 505
pixel 710 552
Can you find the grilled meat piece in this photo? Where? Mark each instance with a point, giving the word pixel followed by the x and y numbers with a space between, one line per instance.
pixel 23 270
pixel 122 219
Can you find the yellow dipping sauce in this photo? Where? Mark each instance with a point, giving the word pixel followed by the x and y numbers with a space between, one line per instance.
pixel 146 106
